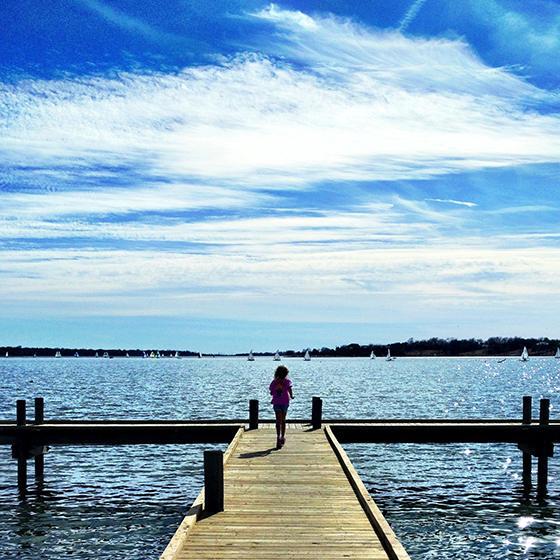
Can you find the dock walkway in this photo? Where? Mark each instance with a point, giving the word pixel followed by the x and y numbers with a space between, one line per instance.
pixel 302 501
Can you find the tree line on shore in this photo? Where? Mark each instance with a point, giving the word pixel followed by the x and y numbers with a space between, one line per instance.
pixel 495 346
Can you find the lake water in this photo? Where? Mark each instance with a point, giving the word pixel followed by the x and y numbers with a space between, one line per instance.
pixel 443 501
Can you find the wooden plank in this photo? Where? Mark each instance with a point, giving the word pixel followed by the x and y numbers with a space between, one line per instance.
pixel 295 502
pixel 392 545
pixel 195 511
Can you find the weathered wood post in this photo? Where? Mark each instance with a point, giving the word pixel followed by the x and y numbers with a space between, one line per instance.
pixel 213 481
pixel 21 412
pixel 316 412
pixel 253 415
pixel 21 449
pixel 527 459
pixel 39 419
pixel 544 451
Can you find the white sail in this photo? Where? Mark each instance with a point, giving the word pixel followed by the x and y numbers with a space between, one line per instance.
pixel 389 358
pixel 58 354
pixel 372 356
pixel 524 355
pixel 557 355
pixel 199 355
pixel 277 356
pixel 250 357
pixel 307 357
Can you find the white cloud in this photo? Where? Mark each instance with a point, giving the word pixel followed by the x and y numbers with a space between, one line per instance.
pixel 229 142
pixel 449 201
pixel 367 106
pixel 162 198
pixel 438 271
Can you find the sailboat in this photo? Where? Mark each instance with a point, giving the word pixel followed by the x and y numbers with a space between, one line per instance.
pixel 76 355
pixel 277 356
pixel 58 354
pixel 524 355
pixel 307 357
pixel 177 355
pixel 372 356
pixel 199 355
pixel 97 355
pixel 557 355
pixel 105 354
pixel 389 358
pixel 250 357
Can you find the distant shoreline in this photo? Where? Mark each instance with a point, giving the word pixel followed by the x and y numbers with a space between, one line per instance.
pixel 495 347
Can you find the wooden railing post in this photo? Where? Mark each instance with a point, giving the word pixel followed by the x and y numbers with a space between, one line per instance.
pixel 21 412
pixel 39 419
pixel 21 448
pixel 316 412
pixel 527 460
pixel 253 415
pixel 542 473
pixel 39 410
pixel 213 481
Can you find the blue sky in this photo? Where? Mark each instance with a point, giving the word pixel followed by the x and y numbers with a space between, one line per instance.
pixel 233 175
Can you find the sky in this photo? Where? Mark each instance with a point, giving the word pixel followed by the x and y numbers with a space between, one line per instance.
pixel 233 175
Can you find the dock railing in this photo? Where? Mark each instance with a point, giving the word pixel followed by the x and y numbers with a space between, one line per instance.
pixel 31 439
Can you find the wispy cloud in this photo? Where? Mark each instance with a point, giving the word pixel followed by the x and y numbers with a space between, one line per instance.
pixel 449 201
pixel 258 123
pixel 127 22
pixel 529 36
pixel 411 14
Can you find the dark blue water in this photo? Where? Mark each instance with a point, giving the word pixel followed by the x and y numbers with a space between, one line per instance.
pixel 444 501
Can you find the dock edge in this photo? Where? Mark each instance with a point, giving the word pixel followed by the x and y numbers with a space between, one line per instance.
pixel 176 543
pixel 389 541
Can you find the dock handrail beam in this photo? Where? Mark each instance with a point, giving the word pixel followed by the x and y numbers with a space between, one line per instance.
pixel 32 438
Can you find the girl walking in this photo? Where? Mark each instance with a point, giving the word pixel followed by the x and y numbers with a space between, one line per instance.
pixel 281 391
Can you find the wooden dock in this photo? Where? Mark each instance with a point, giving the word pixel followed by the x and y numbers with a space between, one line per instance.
pixel 302 501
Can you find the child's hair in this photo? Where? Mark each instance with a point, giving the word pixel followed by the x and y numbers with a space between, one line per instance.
pixel 281 372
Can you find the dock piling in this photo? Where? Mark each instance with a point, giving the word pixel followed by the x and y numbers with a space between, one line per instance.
pixel 21 449
pixel 544 451
pixel 39 410
pixel 253 415
pixel 21 412
pixel 213 481
pixel 39 419
pixel 316 413
pixel 527 459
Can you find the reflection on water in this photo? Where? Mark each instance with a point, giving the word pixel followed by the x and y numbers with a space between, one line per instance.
pixel 443 501
pixel 100 502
